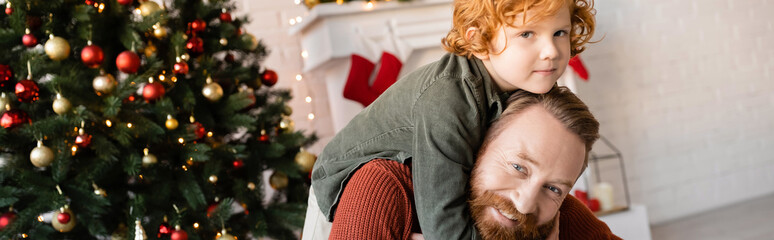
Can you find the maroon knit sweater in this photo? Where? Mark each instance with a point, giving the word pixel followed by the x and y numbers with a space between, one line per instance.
pixel 377 203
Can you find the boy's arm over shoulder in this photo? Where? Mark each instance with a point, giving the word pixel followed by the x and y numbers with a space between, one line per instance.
pixel 447 136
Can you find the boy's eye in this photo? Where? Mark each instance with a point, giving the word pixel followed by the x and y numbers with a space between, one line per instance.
pixel 526 34
pixel 518 167
pixel 561 33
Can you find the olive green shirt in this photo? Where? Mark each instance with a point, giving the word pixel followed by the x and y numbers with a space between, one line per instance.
pixel 435 117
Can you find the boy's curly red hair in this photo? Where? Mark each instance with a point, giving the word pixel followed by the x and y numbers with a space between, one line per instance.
pixel 490 15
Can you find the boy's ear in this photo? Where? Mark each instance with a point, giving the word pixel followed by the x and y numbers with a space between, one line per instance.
pixel 469 34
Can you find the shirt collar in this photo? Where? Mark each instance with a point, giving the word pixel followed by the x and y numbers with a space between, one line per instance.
pixel 495 97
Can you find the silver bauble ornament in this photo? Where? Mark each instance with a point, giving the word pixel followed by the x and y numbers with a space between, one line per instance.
pixel 57 48
pixel 212 91
pixel 148 159
pixel 41 156
pixel 61 105
pixel 104 84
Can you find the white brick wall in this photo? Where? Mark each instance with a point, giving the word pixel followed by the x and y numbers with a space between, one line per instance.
pixel 685 89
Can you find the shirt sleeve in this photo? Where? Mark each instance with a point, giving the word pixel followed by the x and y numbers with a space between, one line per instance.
pixel 446 138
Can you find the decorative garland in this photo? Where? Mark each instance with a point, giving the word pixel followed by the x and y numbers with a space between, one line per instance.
pixel 311 3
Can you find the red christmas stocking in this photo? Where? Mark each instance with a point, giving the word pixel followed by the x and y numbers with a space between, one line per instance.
pixel 388 72
pixel 577 65
pixel 357 88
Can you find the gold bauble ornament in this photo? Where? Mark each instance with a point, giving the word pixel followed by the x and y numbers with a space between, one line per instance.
pixel 4 100
pixel 311 3
pixel 57 48
pixel 223 41
pixel 41 156
pixel 185 57
pixel 171 123
pixel 287 110
pixel 287 124
pixel 305 160
pixel 223 235
pixel 67 226
pixel 148 8
pixel 159 32
pixel 252 42
pixel 148 159
pixel 213 179
pixel 278 180
pixel 104 84
pixel 149 50
pixel 251 186
pixel 212 91
pixel 61 105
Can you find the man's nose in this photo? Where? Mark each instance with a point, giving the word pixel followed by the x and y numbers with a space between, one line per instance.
pixel 526 199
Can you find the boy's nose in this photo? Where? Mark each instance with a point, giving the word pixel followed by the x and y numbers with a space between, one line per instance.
pixel 526 199
pixel 549 50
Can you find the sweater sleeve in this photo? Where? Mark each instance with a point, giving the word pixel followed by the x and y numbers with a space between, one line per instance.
pixel 578 222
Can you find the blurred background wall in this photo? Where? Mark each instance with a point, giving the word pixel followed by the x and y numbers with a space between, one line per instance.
pixel 684 88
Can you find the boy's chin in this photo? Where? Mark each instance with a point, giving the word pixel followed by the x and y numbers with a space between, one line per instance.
pixel 539 88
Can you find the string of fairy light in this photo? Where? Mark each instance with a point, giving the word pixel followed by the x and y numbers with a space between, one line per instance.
pixel 366 6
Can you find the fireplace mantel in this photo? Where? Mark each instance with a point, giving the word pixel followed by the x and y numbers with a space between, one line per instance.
pixel 331 33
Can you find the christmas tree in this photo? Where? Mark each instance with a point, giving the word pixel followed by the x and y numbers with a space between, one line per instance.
pixel 129 119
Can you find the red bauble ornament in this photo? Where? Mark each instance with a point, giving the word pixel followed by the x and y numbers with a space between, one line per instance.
pixel 9 11
pixel 180 68
pixel 269 78
pixel 6 74
pixel 238 31
pixel 128 62
pixel 178 234
pixel 211 209
pixel 29 40
pixel 198 25
pixel 13 118
pixel 125 2
pixel 27 91
pixel 63 217
pixel 89 2
pixel 153 91
pixel 264 137
pixel 195 46
pixel 238 163
pixel 164 230
pixel 229 58
pixel 6 219
pixel 92 56
pixel 83 140
pixel 199 130
pixel 225 17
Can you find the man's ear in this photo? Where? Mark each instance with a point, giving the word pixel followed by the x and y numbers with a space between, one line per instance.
pixel 469 34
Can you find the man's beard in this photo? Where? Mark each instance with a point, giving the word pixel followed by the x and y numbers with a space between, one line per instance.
pixel 489 228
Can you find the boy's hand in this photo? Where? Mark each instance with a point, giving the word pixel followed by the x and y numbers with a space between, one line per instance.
pixel 416 236
pixel 555 232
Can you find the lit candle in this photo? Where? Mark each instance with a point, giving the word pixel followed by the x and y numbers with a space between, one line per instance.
pixel 604 192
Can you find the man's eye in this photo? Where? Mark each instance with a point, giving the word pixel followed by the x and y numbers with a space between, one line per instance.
pixel 526 34
pixel 518 167
pixel 554 189
pixel 561 33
